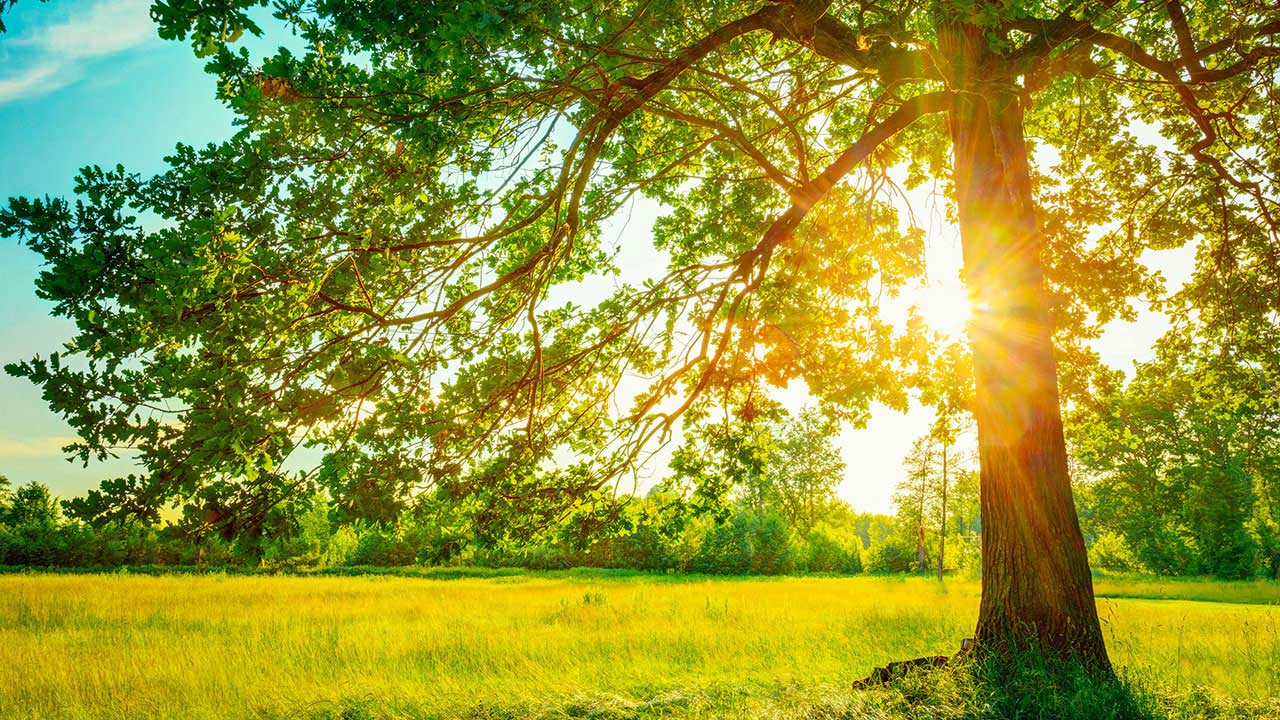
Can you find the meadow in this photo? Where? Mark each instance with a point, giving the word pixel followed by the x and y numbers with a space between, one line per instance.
pixel 589 645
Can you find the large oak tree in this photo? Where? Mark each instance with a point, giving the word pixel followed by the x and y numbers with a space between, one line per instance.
pixel 407 255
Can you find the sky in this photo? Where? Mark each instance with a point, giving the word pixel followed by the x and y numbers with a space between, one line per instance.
pixel 87 82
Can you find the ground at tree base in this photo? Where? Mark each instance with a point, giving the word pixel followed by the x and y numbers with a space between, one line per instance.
pixel 944 695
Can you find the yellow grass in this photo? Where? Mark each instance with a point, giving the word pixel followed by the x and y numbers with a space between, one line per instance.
pixel 212 646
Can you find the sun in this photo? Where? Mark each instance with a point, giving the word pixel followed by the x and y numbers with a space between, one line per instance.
pixel 945 307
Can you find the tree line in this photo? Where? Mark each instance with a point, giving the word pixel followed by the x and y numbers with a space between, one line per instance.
pixel 1179 468
pixel 1175 476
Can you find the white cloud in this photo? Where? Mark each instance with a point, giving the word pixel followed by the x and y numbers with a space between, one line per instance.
pixel 52 56
pixel 45 447
pixel 33 80
pixel 109 27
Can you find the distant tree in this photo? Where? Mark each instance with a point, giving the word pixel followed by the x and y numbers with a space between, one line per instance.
pixel 804 468
pixel 935 485
pixel 31 505
pixel 946 433
pixel 728 457
pixel 1186 456
pixel 30 528
pixel 773 461
pixel 966 494
pixel 915 497
pixel 948 386
pixel 872 529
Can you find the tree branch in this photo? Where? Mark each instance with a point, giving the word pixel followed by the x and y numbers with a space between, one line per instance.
pixel 808 24
pixel 812 192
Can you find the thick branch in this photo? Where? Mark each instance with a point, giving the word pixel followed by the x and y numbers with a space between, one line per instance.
pixel 1186 44
pixel 812 192
pixel 808 24
pixel 1054 33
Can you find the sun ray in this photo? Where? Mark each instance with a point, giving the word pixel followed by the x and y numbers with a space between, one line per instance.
pixel 945 307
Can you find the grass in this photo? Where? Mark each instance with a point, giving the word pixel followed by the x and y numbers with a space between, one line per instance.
pixel 1250 592
pixel 596 645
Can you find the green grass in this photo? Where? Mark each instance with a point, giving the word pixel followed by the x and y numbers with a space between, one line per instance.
pixel 1250 592
pixel 593 644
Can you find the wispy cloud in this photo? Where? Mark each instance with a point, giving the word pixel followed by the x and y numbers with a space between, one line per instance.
pixel 12 448
pixel 54 55
pixel 34 80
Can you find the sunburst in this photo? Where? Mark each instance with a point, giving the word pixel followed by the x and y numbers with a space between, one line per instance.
pixel 945 307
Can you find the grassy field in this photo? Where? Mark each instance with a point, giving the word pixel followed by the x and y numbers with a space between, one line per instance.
pixel 586 645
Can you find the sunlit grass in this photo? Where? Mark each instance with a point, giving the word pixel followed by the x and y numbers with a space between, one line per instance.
pixel 107 646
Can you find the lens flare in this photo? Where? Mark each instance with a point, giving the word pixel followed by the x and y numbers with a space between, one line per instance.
pixel 945 307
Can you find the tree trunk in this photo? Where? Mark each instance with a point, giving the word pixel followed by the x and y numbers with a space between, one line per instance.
pixel 1036 588
pixel 942 527
pixel 922 556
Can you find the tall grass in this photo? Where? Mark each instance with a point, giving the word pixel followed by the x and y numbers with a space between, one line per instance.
pixel 104 646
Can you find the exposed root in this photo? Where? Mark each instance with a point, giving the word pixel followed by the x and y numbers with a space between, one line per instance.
pixel 895 670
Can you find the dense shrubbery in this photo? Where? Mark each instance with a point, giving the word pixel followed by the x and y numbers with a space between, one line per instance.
pixel 648 536
pixel 651 535
pixel 34 533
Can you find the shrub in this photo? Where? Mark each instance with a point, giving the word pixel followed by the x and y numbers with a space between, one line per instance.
pixel 889 557
pixel 770 546
pixel 824 554
pixel 381 546
pixel 1111 552
pixel 725 549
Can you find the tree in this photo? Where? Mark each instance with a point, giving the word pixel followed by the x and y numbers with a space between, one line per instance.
pixel 914 499
pixel 381 261
pixel 947 385
pixel 804 468
pixel 31 505
pixel 932 466
pixel 728 458
pixel 945 432
pixel 1186 458
pixel 771 462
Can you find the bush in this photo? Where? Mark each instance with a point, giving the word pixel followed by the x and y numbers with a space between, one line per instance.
pixel 1111 552
pixel 853 560
pixel 725 549
pixel 381 547
pixel 1160 549
pixel 823 553
pixel 966 552
pixel 889 557
pixel 770 546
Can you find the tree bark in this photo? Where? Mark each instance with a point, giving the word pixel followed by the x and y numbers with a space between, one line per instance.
pixel 1037 591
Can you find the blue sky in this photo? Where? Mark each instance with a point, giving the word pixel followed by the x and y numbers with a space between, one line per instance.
pixel 81 83
pixel 88 82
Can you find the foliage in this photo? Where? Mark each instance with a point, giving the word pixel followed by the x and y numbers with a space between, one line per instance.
pixel 400 258
pixel 658 532
pixel 938 494
pixel 1187 461
pixel 1109 552
pixel 772 461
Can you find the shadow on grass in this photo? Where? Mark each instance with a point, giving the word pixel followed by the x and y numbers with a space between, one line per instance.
pixel 1031 688
pixel 1025 686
